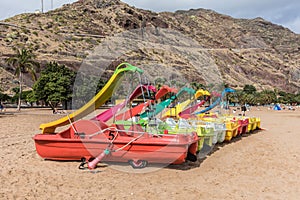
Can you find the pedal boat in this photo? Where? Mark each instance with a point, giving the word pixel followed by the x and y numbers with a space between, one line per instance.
pixel 87 139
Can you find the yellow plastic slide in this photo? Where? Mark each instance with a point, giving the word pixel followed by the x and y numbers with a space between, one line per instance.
pixel 103 95
pixel 173 112
pixel 201 92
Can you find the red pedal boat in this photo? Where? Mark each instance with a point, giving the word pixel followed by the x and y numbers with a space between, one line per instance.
pixel 89 139
pixel 243 125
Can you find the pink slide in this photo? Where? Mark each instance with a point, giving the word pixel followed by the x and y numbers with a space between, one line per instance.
pixel 139 108
pixel 133 111
pixel 108 114
pixel 187 113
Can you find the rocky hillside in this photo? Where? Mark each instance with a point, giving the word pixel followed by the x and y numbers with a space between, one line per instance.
pixel 199 44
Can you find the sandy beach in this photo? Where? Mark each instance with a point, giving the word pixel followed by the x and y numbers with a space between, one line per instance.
pixel 264 165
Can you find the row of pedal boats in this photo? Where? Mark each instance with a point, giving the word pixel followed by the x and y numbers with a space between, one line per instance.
pixel 171 141
pixel 120 137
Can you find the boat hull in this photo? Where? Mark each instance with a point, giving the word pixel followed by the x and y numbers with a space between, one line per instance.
pixel 231 129
pixel 151 148
pixel 243 125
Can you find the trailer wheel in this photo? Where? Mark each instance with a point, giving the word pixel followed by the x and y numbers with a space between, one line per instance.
pixel 139 164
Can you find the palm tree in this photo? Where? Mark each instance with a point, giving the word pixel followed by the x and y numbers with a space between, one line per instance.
pixel 267 97
pixel 24 62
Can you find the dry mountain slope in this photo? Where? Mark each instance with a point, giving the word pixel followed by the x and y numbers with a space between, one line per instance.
pixel 245 51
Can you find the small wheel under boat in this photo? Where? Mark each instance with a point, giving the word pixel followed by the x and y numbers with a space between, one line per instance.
pixel 139 164
pixel 191 157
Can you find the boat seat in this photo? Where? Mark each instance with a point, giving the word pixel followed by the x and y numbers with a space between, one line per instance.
pixel 121 129
pixel 136 127
pixel 86 127
pixel 101 124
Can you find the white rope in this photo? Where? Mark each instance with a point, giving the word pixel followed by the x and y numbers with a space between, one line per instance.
pixel 134 139
pixel 75 131
pixel 103 130
pixel 117 131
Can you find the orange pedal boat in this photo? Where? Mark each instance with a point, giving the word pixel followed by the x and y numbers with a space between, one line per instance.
pixel 90 139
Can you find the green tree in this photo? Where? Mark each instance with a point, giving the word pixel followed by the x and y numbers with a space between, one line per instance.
pixel 24 94
pixel 15 97
pixel 4 97
pixel 297 99
pixel 85 88
pixel 24 62
pixel 31 97
pixel 251 98
pixel 232 98
pixel 160 81
pixel 288 98
pixel 249 89
pixel 101 83
pixel 197 86
pixel 240 97
pixel 55 84
pixel 267 97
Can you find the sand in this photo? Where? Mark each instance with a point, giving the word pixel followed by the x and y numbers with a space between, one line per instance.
pixel 264 165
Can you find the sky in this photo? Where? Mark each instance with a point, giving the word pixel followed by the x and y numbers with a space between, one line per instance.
pixel 282 12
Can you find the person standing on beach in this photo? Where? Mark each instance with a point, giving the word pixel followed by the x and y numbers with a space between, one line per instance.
pixel 244 109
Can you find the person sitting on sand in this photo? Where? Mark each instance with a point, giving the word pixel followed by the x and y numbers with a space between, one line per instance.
pixel 55 111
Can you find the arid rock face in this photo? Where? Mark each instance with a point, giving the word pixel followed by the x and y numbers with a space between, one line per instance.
pixel 243 51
